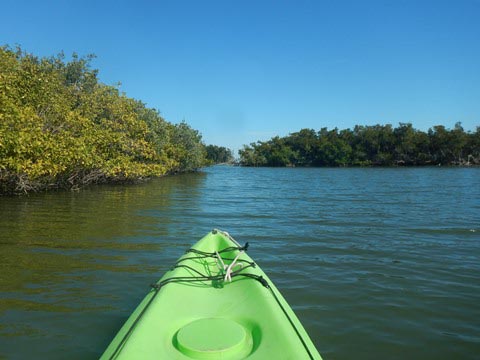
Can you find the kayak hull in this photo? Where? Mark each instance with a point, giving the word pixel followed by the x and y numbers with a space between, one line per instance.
pixel 212 317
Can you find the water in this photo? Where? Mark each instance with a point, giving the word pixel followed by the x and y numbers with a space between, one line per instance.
pixel 377 263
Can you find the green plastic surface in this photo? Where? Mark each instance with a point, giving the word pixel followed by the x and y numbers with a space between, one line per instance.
pixel 213 338
pixel 233 320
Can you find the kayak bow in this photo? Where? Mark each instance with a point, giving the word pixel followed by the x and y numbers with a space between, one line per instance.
pixel 215 303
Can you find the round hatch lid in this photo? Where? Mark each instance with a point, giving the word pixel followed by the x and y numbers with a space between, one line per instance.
pixel 214 338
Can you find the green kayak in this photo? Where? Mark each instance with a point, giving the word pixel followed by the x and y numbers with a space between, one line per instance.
pixel 215 303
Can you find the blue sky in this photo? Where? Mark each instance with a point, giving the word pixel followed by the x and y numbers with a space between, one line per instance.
pixel 242 71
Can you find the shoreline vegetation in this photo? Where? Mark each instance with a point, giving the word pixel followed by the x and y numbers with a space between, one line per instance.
pixel 62 128
pixel 378 145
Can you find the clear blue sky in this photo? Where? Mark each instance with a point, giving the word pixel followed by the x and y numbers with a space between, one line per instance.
pixel 246 70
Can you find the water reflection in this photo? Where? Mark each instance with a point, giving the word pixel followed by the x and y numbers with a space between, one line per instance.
pixel 58 249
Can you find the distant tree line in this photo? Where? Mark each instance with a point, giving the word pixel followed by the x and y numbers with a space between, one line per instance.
pixel 62 128
pixel 379 145
pixel 218 154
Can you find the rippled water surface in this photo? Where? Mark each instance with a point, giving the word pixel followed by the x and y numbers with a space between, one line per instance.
pixel 377 263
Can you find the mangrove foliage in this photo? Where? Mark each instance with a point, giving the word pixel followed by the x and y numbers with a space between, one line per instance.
pixel 218 154
pixel 379 145
pixel 60 127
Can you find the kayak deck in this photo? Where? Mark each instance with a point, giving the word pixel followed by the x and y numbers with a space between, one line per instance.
pixel 215 303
